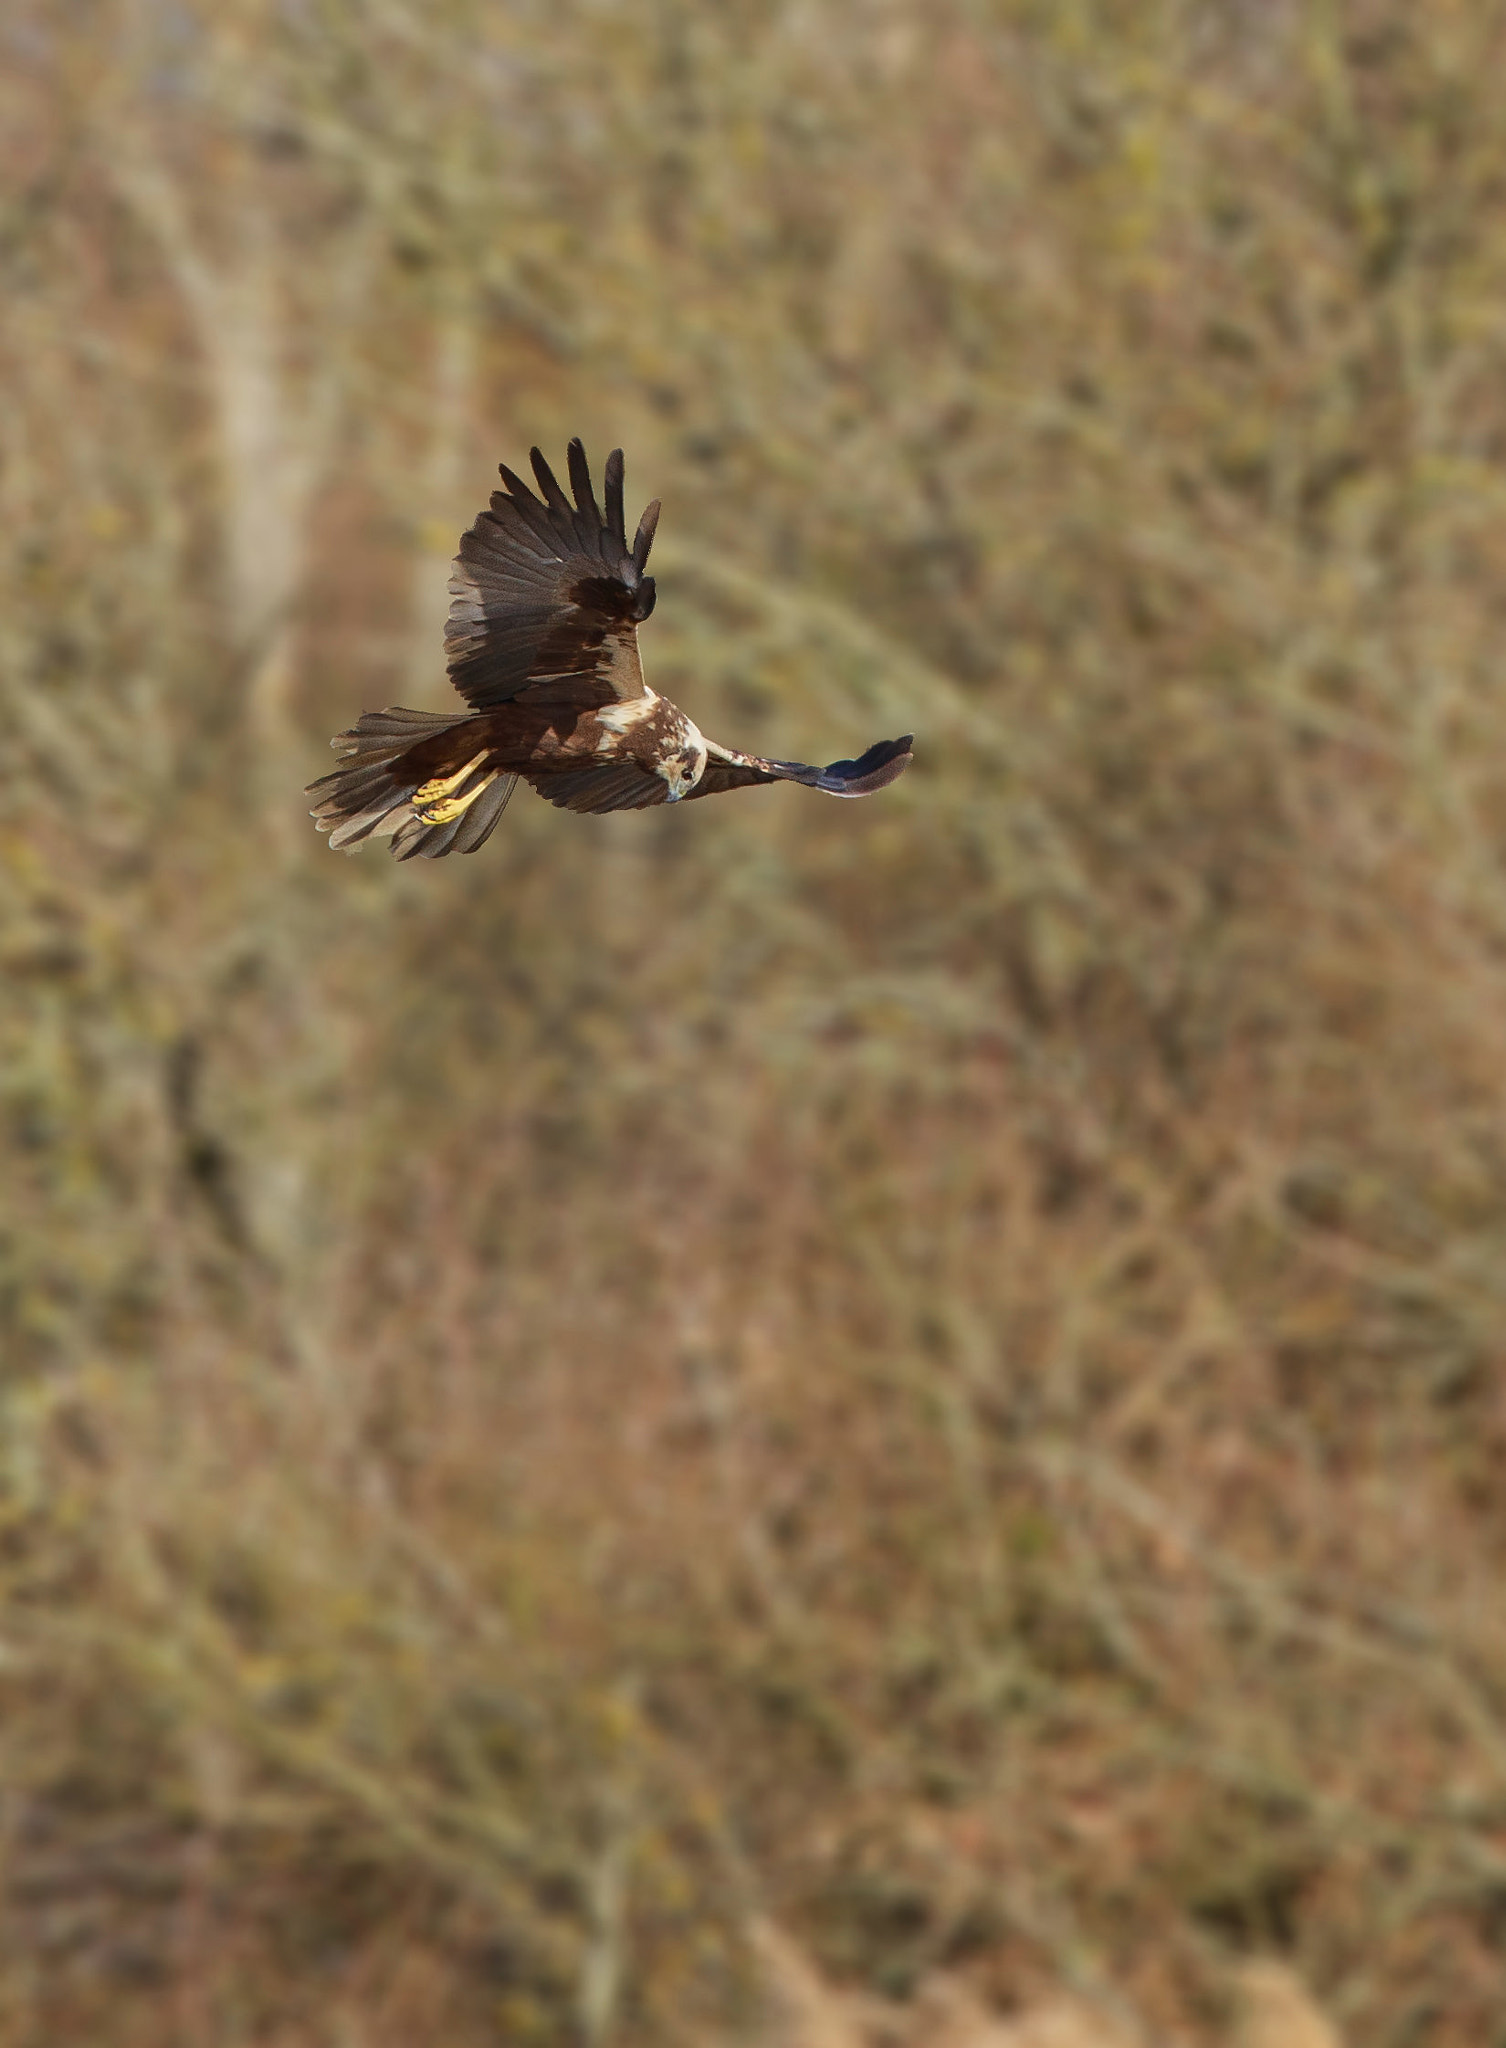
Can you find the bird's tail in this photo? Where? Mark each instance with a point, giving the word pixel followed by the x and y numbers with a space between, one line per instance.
pixel 422 779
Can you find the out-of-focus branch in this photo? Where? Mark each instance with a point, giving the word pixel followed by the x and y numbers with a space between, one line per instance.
pixel 276 428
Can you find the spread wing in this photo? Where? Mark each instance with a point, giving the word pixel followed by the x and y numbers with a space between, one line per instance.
pixel 546 596
pixel 882 764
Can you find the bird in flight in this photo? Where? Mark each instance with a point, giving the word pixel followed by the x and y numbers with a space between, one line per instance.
pixel 542 643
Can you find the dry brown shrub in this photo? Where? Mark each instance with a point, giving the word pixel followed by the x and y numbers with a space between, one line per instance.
pixel 932 1370
pixel 1277 2011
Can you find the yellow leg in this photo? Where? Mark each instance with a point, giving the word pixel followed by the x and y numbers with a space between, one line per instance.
pixel 435 802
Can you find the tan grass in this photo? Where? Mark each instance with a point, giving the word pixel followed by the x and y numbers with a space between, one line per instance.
pixel 928 1374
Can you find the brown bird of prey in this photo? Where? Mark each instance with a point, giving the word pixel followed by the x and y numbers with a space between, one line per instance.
pixel 542 643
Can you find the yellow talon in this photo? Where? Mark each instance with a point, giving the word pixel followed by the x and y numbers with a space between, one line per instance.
pixel 435 804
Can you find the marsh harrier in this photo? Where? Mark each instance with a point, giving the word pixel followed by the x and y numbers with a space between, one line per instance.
pixel 542 642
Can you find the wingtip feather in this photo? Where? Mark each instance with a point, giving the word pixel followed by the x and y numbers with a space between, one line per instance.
pixel 612 488
pixel 580 482
pixel 549 483
pixel 515 485
pixel 883 763
pixel 643 540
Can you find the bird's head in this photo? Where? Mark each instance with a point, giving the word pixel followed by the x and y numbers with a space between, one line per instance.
pixel 683 769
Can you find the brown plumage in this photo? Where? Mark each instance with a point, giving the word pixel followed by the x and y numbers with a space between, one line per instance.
pixel 542 642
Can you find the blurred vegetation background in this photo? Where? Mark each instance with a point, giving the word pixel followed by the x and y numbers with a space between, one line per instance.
pixel 911 1396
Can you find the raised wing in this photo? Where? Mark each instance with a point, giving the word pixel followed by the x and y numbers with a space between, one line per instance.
pixel 727 769
pixel 546 596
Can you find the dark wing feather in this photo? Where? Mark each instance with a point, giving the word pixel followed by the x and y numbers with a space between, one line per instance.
pixel 883 763
pixel 546 597
pixel 617 786
pixel 480 821
pixel 643 540
pixel 616 525
pixel 548 483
